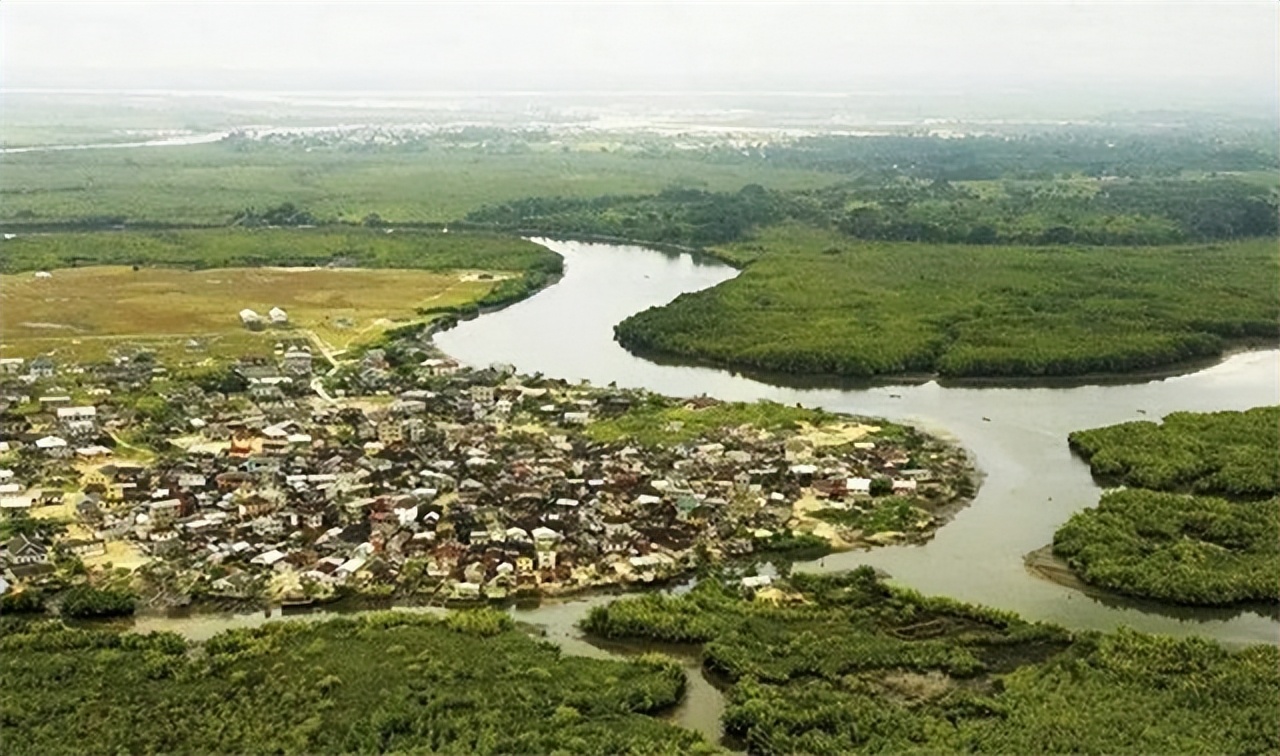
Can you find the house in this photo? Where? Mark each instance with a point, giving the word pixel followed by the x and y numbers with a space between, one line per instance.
pixel 23 550
pixel 250 319
pixel 278 316
pixel 482 394
pixel 436 366
pixel 53 446
pixel 41 367
pixel 270 558
pixel 858 486
pixel 901 486
pixel 390 432
pixel 164 512
pixel 93 452
pixel 297 361
pixel 86 548
pixel 11 365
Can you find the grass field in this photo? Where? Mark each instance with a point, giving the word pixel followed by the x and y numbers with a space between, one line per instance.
pixel 83 313
pixel 207 184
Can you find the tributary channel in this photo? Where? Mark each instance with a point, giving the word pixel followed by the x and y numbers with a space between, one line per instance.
pixel 1017 435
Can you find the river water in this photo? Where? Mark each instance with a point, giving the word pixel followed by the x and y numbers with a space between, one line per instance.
pixel 1017 435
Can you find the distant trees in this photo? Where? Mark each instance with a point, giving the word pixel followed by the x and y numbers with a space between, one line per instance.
pixel 85 601
pixel 284 214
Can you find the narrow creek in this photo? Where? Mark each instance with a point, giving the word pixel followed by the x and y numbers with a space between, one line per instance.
pixel 1017 434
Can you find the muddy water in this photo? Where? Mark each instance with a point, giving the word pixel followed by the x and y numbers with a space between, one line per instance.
pixel 1017 434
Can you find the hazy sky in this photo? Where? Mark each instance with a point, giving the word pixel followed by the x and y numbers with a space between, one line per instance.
pixel 654 45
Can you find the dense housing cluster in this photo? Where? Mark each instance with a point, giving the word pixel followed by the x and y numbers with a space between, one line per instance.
pixel 422 478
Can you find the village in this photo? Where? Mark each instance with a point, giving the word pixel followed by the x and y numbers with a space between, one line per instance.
pixel 400 473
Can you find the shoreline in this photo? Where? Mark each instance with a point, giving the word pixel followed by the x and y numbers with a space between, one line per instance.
pixel 842 382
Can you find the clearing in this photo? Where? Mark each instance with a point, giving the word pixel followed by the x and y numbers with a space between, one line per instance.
pixel 83 313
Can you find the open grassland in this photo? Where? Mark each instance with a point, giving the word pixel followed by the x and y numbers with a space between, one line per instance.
pixel 83 313
pixel 836 664
pixel 207 184
pixel 389 682
pixel 193 283
pixel 812 301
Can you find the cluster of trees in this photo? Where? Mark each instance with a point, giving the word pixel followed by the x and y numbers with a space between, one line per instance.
pixel 1184 547
pixel 880 515
pixel 1149 212
pixel 858 666
pixel 1044 155
pixel 284 214
pixel 812 305
pixel 86 602
pixel 690 217
pixel 1232 453
pixel 226 248
pixel 660 421
pixel 1175 547
pixel 389 682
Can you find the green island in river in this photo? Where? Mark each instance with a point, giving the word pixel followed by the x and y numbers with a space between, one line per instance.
pixel 1170 534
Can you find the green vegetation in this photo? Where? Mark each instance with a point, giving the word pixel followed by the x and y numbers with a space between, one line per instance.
pixel 1231 453
pixel 1189 549
pixel 85 601
pixel 662 422
pixel 848 664
pixel 1174 547
pixel 432 181
pixel 814 304
pixel 386 682
pixel 234 248
pixel 1079 211
pixel 880 515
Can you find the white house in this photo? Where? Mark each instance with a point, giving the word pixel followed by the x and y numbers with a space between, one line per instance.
pixel 278 316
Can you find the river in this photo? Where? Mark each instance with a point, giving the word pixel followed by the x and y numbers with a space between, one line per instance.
pixel 1017 436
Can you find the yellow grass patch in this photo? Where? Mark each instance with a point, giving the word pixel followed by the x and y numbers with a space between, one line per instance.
pixel 82 313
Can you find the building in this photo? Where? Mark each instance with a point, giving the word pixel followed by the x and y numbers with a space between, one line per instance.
pixel 23 550
pixel 278 316
pixel 41 367
pixel 296 361
pixel 250 319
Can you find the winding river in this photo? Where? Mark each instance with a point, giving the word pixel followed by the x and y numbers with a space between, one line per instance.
pixel 1017 435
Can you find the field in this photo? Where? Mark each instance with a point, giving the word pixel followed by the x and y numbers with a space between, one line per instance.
pixel 193 283
pixel 812 301
pixel 835 664
pixel 207 184
pixel 83 313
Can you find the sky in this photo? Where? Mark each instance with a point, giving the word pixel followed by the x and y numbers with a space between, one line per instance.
pixel 656 46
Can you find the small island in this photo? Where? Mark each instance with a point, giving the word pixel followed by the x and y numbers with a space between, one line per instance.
pixel 1198 519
